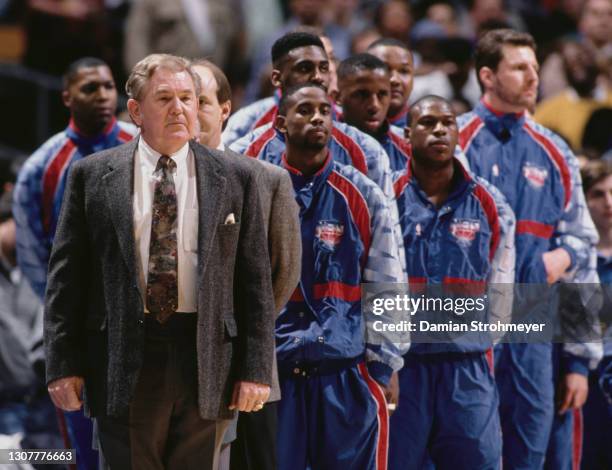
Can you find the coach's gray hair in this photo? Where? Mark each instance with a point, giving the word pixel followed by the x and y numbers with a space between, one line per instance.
pixel 144 70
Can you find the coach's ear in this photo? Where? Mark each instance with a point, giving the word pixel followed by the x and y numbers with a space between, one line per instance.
pixel 134 110
pixel 281 123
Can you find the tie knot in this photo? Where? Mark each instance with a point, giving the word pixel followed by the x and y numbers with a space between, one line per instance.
pixel 165 162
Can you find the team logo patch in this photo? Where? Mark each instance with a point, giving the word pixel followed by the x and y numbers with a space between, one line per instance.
pixel 536 176
pixel 465 230
pixel 329 233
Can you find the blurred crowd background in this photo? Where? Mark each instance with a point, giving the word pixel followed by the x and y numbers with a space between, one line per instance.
pixel 39 38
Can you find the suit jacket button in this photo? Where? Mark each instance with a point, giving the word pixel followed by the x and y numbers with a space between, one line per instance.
pixel 141 322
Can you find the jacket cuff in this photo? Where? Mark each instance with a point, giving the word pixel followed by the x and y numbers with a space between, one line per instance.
pixel 574 364
pixel 380 372
pixel 572 254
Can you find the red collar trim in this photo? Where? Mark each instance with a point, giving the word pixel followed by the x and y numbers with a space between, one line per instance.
pixel 496 112
pixel 105 131
pixel 297 172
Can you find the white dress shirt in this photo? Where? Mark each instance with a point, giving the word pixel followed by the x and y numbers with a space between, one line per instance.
pixel 145 162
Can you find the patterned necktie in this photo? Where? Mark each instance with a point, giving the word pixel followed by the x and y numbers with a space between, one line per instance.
pixel 162 285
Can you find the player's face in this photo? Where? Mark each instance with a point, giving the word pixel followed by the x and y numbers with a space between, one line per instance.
pixel 211 113
pixel 599 201
pixel 401 76
pixel 365 99
pixel 515 82
pixel 308 64
pixel 92 99
pixel 308 122
pixel 167 114
pixel 433 133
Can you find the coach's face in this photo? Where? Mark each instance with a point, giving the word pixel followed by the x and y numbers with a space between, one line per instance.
pixel 167 112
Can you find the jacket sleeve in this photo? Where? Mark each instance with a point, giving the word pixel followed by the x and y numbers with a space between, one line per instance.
pixel 284 240
pixel 379 171
pixel 33 243
pixel 253 297
pixel 64 318
pixel 576 233
pixel 503 264
pixel 383 353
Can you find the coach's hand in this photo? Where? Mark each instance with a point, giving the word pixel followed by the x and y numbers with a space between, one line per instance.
pixel 556 263
pixel 392 391
pixel 66 393
pixel 249 396
pixel 573 391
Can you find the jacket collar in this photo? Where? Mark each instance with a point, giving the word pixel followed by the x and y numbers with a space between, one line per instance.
pixel 502 125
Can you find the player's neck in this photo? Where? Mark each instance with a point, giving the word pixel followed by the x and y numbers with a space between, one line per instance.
pixel 306 161
pixel 499 106
pixel 436 183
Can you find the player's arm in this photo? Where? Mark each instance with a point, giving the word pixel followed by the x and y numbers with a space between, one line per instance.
pixel 33 245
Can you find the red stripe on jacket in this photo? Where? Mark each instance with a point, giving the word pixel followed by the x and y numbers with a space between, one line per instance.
pixel 557 158
pixel 268 117
pixel 488 204
pixel 358 159
pixel 468 132
pixel 255 147
pixel 534 227
pixel 357 205
pixel 51 179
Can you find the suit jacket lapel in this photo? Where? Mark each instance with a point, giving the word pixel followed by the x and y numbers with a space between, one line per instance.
pixel 119 182
pixel 211 191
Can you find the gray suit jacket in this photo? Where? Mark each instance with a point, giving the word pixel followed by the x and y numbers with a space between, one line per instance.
pixel 282 223
pixel 94 316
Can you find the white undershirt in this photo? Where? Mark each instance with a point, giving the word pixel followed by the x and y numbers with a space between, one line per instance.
pixel 145 162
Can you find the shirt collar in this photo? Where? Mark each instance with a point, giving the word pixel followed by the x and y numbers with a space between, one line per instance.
pixel 221 147
pixel 151 156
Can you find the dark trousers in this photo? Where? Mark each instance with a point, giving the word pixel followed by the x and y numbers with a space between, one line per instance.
pixel 163 429
pixel 255 444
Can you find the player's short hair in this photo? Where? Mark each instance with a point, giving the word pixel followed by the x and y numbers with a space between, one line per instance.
pixel 73 69
pixel 359 62
pixel 389 42
pixel 285 101
pixel 144 70
pixel 421 101
pixel 293 40
pixel 594 172
pixel 224 90
pixel 489 49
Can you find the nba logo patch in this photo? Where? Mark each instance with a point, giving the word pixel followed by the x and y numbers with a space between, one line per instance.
pixel 536 176
pixel 465 230
pixel 329 233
